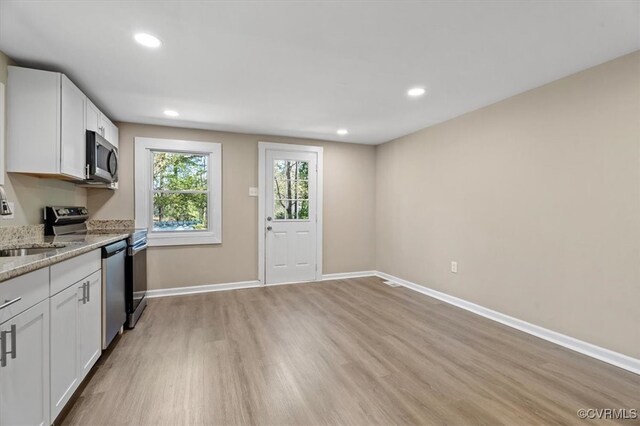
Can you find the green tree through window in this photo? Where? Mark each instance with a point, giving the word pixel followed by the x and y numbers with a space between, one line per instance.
pixel 180 191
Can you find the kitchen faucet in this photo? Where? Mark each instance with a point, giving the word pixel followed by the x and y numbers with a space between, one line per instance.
pixel 5 210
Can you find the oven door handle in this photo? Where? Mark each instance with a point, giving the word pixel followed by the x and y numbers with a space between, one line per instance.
pixel 134 250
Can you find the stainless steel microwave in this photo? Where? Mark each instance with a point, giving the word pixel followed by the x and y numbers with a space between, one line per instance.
pixel 102 159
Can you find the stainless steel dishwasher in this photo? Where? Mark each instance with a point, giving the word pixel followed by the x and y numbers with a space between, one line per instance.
pixel 113 289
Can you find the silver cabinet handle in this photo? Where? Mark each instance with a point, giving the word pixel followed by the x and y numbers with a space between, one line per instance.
pixel 3 349
pixel 14 346
pixel 3 345
pixel 269 219
pixel 84 293
pixel 88 291
pixel 10 302
pixel 269 228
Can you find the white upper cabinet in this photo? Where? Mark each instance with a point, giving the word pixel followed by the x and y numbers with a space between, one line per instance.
pixel 100 123
pixel 33 121
pixel 73 140
pixel 94 119
pixel 109 131
pixel 47 121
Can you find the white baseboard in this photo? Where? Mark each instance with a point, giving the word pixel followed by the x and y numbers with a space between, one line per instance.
pixel 614 358
pixel 206 288
pixel 345 275
pixel 181 291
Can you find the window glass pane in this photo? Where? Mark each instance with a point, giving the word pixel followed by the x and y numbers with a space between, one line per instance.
pixel 303 170
pixel 280 210
pixel 174 171
pixel 282 188
pixel 290 170
pixel 302 207
pixel 302 190
pixel 281 169
pixel 291 189
pixel 180 212
pixel 291 210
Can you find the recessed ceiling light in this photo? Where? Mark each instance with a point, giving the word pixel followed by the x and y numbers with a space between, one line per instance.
pixel 171 113
pixel 414 92
pixel 342 132
pixel 148 40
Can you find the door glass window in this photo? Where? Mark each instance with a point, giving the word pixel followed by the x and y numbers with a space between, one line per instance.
pixel 290 190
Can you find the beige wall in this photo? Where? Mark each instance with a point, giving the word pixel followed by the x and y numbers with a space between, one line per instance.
pixel 349 206
pixel 31 194
pixel 536 197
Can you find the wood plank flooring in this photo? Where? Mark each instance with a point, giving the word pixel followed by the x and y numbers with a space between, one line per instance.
pixel 350 352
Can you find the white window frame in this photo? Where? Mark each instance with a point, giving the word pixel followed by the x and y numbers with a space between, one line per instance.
pixel 143 159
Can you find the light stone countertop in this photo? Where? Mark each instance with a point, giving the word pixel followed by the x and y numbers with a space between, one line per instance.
pixel 74 245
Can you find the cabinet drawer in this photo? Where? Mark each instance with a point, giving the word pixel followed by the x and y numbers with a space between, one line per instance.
pixel 31 288
pixel 70 271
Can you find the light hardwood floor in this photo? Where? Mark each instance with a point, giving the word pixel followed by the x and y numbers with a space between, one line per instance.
pixel 339 352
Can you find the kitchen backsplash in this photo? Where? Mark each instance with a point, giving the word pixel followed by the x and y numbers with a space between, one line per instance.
pixel 21 232
pixel 110 224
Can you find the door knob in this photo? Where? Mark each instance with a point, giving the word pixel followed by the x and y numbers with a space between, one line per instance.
pixel 269 219
pixel 269 228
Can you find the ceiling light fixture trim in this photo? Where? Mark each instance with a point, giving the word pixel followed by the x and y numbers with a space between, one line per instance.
pixel 415 92
pixel 147 40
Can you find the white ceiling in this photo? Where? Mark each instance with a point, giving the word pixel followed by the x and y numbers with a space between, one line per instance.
pixel 307 68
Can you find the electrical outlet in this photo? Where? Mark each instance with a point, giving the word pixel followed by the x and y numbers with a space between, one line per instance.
pixel 454 267
pixel 13 212
pixel 253 191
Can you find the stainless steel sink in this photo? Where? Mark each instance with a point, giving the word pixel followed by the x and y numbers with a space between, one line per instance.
pixel 27 251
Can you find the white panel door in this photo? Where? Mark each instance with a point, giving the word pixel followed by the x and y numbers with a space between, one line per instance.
pixel 64 346
pixel 291 184
pixel 73 141
pixel 90 323
pixel 24 369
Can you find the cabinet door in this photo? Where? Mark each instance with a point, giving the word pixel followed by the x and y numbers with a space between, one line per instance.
pixel 64 346
pixel 93 117
pixel 24 380
pixel 105 127
pixel 115 135
pixel 73 157
pixel 90 314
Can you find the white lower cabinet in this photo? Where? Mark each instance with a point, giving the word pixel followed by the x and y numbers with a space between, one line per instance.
pixel 50 338
pixel 90 314
pixel 76 337
pixel 64 347
pixel 24 368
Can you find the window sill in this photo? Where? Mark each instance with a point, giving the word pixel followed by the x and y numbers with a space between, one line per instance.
pixel 182 239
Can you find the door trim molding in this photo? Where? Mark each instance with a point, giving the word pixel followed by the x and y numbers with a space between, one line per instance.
pixel 263 146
